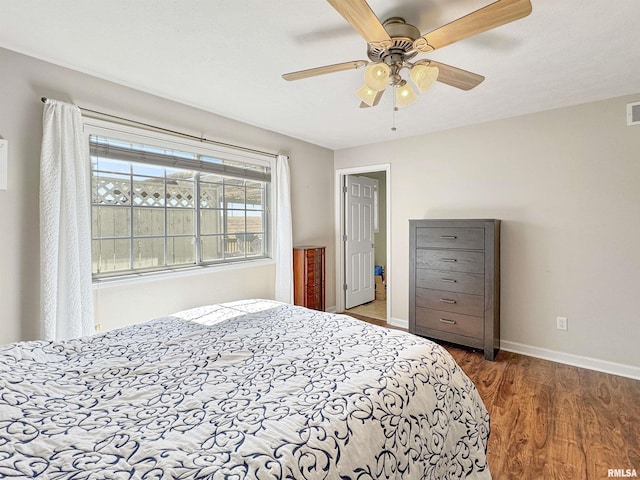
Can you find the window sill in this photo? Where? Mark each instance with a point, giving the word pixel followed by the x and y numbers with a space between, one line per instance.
pixel 137 278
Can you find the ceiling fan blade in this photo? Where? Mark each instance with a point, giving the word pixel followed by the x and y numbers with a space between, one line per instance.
pixel 456 77
pixel 376 100
pixel 312 72
pixel 486 18
pixel 359 14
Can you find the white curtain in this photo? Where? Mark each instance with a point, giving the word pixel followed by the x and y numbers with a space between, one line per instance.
pixel 284 235
pixel 65 225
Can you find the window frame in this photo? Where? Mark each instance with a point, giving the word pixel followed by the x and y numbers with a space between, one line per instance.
pixel 127 133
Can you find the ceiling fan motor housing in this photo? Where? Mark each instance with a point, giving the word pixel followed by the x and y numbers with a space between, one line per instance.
pixel 402 36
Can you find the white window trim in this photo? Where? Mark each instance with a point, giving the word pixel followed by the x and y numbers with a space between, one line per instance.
pixel 98 127
pixel 142 277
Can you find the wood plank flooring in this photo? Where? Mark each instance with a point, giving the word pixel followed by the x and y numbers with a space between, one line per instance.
pixel 554 421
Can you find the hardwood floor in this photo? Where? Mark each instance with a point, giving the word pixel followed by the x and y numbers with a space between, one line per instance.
pixel 554 421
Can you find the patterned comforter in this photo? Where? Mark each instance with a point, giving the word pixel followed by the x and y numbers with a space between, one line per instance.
pixel 253 389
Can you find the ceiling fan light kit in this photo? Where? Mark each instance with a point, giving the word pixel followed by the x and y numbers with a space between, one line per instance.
pixel 376 76
pixel 367 95
pixel 424 76
pixel 405 95
pixel 392 44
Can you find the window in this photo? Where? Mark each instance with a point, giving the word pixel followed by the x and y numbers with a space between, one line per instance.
pixel 157 208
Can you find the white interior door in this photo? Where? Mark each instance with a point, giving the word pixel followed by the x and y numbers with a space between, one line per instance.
pixel 359 241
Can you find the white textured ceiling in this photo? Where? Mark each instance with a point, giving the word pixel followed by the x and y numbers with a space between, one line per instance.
pixel 226 57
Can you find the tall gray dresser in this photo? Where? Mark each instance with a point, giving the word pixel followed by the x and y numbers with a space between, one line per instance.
pixel 454 284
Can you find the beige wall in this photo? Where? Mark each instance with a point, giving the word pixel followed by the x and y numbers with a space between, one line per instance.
pixel 123 303
pixel 23 80
pixel 566 184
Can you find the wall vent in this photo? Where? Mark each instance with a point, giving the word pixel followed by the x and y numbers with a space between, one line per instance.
pixel 633 113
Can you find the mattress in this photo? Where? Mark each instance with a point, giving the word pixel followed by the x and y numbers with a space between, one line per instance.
pixel 252 389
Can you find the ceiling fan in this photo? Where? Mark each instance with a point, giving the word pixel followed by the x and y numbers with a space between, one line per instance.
pixel 393 44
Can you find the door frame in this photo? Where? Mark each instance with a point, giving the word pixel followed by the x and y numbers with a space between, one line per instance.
pixel 340 174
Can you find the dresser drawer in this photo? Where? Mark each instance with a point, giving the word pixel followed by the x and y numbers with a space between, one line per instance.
pixel 314 277
pixel 450 260
pixel 449 322
pixel 314 299
pixel 450 237
pixel 450 301
pixel 461 282
pixel 314 256
pixel 314 289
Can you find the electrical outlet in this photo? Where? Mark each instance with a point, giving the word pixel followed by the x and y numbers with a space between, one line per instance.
pixel 562 323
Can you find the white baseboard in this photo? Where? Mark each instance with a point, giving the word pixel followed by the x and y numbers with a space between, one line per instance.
pixel 398 322
pixel 330 309
pixel 605 366
pixel 589 363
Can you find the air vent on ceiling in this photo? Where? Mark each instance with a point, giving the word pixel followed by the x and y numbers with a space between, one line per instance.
pixel 633 113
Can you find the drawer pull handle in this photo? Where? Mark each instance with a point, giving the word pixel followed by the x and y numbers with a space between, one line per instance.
pixel 447 321
pixel 451 260
pixel 448 300
pixel 449 237
pixel 449 280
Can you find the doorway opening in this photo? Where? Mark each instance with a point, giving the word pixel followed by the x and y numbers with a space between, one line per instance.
pixel 362 267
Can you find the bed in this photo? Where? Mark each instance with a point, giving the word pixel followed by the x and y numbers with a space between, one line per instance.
pixel 251 389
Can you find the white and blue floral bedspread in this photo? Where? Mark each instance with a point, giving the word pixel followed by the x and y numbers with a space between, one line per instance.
pixel 252 389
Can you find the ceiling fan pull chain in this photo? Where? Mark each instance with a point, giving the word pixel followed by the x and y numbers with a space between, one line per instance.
pixel 393 118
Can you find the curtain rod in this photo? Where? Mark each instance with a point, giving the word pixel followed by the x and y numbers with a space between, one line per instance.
pixel 175 132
